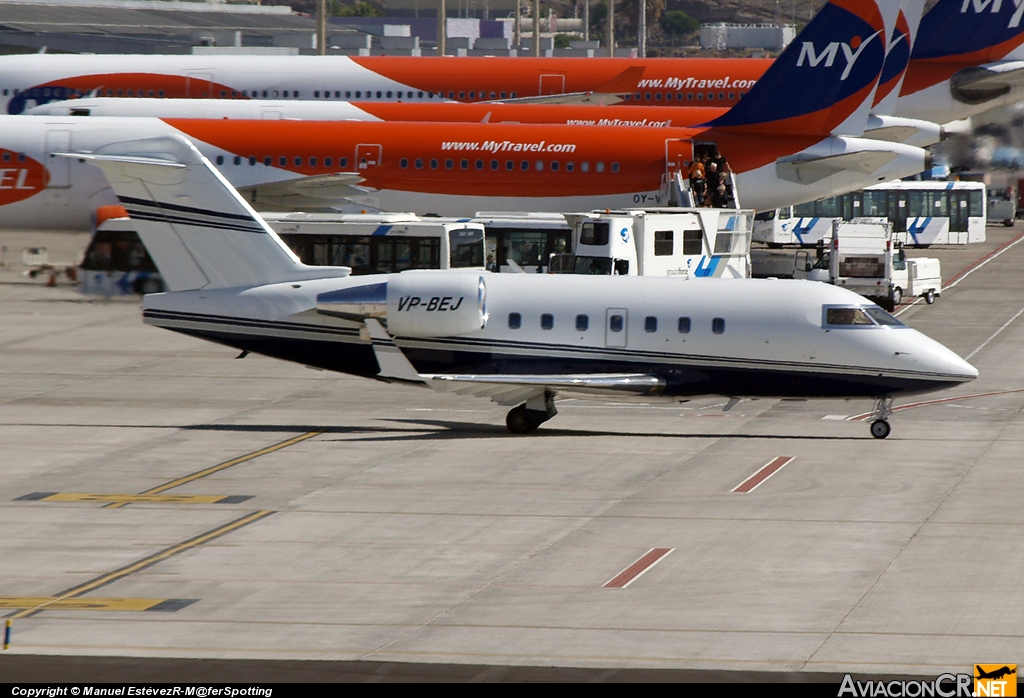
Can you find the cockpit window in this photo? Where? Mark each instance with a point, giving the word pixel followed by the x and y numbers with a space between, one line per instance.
pixel 847 316
pixel 882 317
pixel 863 316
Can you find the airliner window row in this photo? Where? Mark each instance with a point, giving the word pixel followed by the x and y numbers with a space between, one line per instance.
pixel 688 97
pixel 510 165
pixel 616 323
pixel 434 163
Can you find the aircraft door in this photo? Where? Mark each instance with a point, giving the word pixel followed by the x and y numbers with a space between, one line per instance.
pixel 368 156
pixel 898 211
pixel 615 326
pixel 958 212
pixel 197 85
pixel 60 168
pixel 552 84
pixel 678 156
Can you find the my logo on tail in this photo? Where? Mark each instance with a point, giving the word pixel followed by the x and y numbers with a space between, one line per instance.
pixel 851 51
pixel 980 6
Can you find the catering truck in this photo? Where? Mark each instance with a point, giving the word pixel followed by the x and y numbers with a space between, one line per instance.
pixel 685 242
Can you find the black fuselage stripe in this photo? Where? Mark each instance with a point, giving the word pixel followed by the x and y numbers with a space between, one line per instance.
pixel 184 209
pixel 588 353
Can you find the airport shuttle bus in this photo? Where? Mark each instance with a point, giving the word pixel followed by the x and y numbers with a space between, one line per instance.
pixel 381 243
pixel 922 214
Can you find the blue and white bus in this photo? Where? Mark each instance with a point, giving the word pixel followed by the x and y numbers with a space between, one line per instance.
pixel 922 214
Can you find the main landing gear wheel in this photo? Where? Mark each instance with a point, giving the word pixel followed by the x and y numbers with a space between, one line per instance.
pixel 529 416
pixel 880 417
pixel 518 422
pixel 880 429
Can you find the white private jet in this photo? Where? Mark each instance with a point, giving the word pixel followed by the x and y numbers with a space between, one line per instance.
pixel 519 339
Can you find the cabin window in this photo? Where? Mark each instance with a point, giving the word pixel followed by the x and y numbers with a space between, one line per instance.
pixel 503 95
pixel 389 94
pixel 693 242
pixel 711 95
pixel 721 95
pixel 515 321
pixel 419 95
pixel 316 93
pixel 462 95
pixel 449 164
pixel 547 321
pixel 689 96
pixel 732 95
pixel 312 162
pixel 584 167
pixel 570 166
pixel 594 233
pixel 582 323
pixel 650 324
pixel 403 163
pixel 668 96
pixel 479 164
pixel 282 161
pixel 298 161
pixel 524 165
pixel 554 165
pixel 433 164
pixel 700 96
pixel 359 94
pixel 616 323
pixel 342 162
pixel 160 93
pixel 464 164
pixel 237 160
pixel 220 159
pixel 378 94
pixel 657 96
pixel 252 160
pixel 419 163
pixel 600 167
pixel 684 325
pixel 509 165
pixel 348 94
pixel 647 96
pixel 663 243
pixel 494 164
pixel 539 165
pixel 718 325
pixel 328 162
pixel 267 160
pixel 615 167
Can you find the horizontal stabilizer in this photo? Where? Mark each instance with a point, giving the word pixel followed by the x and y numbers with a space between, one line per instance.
pixel 195 226
pixel 810 170
pixel 980 85
pixel 304 192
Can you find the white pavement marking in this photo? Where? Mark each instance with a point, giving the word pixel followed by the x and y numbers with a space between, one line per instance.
pixel 994 334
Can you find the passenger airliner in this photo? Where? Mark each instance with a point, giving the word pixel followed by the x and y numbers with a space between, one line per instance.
pixel 781 150
pixel 519 339
pixel 961 66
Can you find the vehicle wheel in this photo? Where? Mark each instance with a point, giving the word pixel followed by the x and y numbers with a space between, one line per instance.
pixel 896 295
pixel 518 422
pixel 880 429
pixel 929 296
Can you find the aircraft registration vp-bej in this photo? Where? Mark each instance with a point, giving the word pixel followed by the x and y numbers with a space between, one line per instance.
pixel 519 339
pixel 781 150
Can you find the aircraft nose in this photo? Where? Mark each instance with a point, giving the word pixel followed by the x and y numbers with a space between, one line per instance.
pixel 949 364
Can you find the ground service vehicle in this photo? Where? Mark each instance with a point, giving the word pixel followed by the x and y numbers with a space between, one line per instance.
pixel 694 242
pixel 922 214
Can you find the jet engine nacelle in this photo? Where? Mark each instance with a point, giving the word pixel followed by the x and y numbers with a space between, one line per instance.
pixel 415 303
pixel 436 304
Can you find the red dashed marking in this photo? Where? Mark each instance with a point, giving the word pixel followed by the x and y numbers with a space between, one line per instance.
pixel 632 573
pixel 758 478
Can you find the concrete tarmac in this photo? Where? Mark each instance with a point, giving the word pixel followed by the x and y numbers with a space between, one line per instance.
pixel 161 499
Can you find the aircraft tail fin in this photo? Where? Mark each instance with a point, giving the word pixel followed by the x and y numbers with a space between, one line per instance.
pixel 825 75
pixel 199 231
pixel 956 34
pixel 902 40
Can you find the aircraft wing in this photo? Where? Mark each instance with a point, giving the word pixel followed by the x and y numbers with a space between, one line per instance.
pixel 808 170
pixel 985 83
pixel 605 94
pixel 514 389
pixel 591 98
pixel 303 192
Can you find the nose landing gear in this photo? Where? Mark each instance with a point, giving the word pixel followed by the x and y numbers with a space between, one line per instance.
pixel 880 417
pixel 527 417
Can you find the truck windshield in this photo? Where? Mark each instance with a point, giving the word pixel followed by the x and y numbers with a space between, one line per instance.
pixel 593 265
